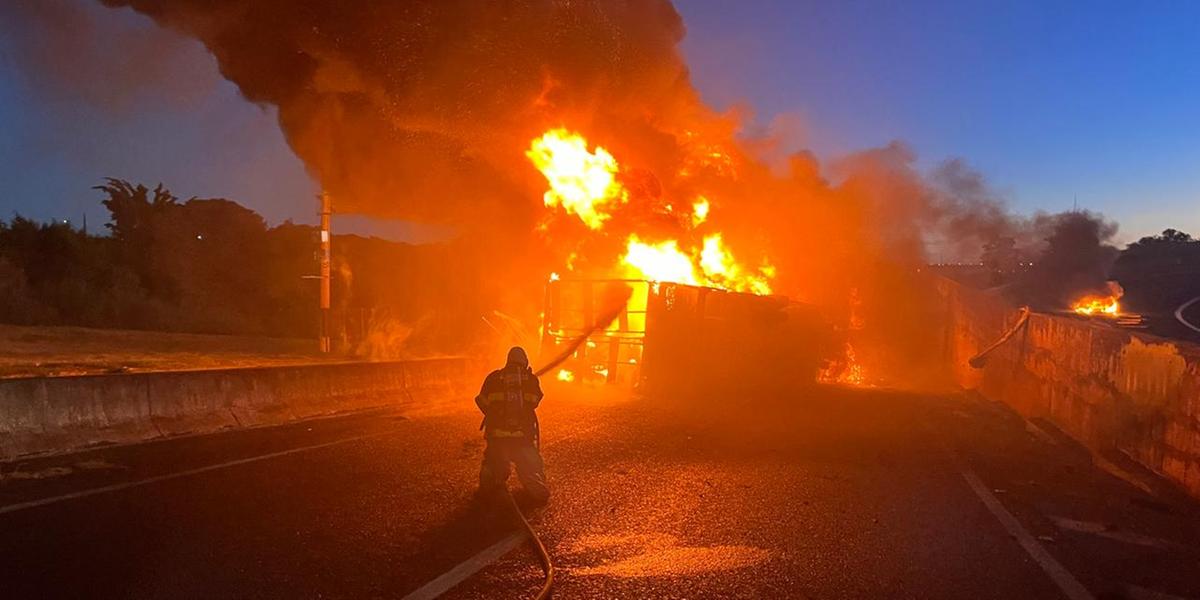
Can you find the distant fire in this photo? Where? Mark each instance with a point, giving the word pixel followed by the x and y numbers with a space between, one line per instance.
pixel 586 183
pixel 565 375
pixel 1101 305
pixel 1097 305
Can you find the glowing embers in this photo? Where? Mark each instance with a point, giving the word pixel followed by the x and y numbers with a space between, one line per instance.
pixel 845 370
pixel 597 373
pixel 583 182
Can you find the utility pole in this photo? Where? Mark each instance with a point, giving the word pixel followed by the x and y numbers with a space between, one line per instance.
pixel 326 241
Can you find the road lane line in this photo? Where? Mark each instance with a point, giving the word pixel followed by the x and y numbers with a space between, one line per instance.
pixel 467 568
pixel 149 480
pixel 1059 574
pixel 473 565
pixel 1179 314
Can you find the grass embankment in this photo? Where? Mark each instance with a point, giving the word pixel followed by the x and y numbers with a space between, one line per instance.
pixel 58 351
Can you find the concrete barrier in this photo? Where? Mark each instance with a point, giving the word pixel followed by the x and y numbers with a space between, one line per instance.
pixel 52 414
pixel 1111 389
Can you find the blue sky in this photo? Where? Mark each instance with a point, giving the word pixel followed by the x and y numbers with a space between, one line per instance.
pixel 1051 101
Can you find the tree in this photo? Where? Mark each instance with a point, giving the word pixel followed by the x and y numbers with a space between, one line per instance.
pixel 1166 238
pixel 1161 271
pixel 135 219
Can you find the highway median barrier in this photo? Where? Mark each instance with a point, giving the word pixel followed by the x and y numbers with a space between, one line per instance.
pixel 1111 389
pixel 56 414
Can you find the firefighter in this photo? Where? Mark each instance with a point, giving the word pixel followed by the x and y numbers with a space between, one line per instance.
pixel 508 399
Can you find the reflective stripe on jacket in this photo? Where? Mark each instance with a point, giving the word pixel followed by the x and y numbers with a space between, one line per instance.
pixel 508 399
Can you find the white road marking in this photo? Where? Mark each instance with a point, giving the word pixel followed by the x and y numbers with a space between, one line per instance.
pixel 1059 574
pixel 1179 314
pixel 462 571
pixel 467 568
pixel 1102 530
pixel 149 480
pixel 473 565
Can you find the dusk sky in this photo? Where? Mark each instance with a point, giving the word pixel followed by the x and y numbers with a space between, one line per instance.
pixel 1098 101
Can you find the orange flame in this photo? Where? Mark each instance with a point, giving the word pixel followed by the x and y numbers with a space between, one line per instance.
pixel 721 270
pixel 1101 305
pixel 711 266
pixel 1107 306
pixel 700 211
pixel 584 183
pixel 660 262
pixel 846 371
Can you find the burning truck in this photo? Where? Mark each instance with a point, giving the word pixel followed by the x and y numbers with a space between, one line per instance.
pixel 686 311
pixel 683 336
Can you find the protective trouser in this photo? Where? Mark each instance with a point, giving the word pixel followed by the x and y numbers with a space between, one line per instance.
pixel 500 453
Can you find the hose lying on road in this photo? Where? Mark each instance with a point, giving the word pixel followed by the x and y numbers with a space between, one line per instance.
pixel 979 360
pixel 617 298
pixel 539 547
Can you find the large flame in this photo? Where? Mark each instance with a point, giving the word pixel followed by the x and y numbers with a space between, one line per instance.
pixel 711 265
pixel 660 262
pixel 721 270
pixel 583 182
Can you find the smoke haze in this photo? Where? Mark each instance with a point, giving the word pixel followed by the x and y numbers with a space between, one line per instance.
pixel 423 110
pixel 70 51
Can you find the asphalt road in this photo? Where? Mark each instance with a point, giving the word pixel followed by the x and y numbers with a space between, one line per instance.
pixel 829 493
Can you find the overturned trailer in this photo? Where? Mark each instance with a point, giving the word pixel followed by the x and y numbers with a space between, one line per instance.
pixel 683 336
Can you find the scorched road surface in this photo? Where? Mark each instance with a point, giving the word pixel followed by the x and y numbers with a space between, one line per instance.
pixel 825 493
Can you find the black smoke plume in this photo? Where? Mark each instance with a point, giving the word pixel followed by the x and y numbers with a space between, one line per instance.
pixel 423 109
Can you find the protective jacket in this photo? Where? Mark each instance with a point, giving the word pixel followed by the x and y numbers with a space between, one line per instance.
pixel 508 399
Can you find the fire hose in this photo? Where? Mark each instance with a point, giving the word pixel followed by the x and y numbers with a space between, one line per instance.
pixel 539 547
pixel 543 555
pixel 979 360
